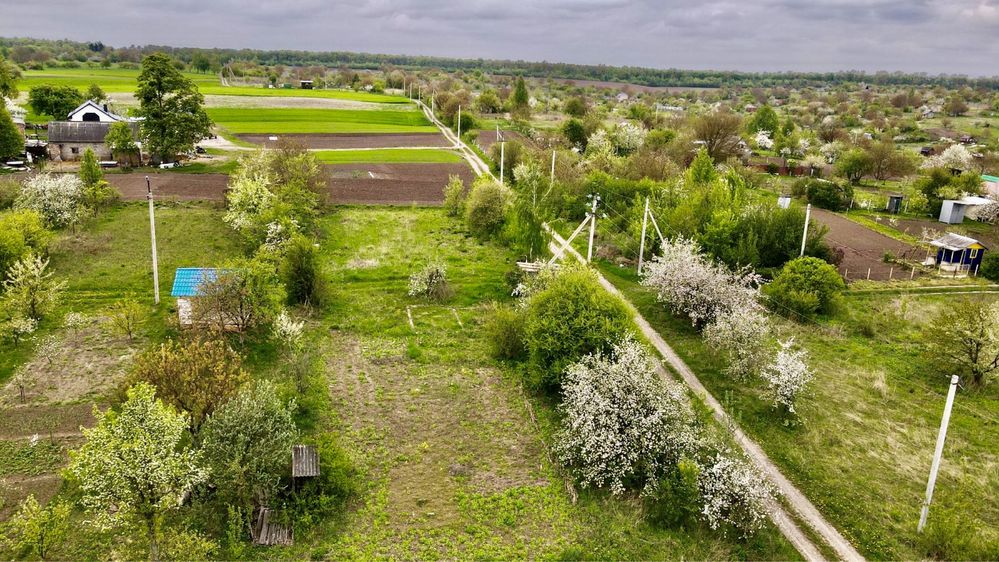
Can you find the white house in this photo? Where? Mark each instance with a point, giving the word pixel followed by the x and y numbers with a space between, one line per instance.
pixel 91 112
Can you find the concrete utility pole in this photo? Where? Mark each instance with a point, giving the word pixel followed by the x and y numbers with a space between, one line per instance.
pixel 459 124
pixel 941 437
pixel 502 160
pixel 641 245
pixel 804 235
pixel 551 179
pixel 152 235
pixel 594 199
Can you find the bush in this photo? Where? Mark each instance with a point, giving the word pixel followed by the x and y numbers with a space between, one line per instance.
pixel 805 285
pixel 21 232
pixel 505 333
pixel 323 496
pixel 9 190
pixel 990 266
pixel 304 280
pixel 431 282
pixel 828 195
pixel 571 317
pixel 486 207
pixel 947 537
pixel 676 500
pixel 454 196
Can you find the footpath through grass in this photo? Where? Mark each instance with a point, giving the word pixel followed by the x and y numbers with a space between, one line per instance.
pixel 863 442
pixel 454 464
pixel 389 156
pixel 276 121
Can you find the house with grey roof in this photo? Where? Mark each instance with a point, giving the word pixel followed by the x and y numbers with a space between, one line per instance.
pixel 85 127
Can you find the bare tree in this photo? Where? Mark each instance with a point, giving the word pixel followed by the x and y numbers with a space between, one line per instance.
pixel 720 133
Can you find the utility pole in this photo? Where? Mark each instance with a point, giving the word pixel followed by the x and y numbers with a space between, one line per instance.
pixel 152 235
pixel 938 452
pixel 804 235
pixel 641 245
pixel 551 179
pixel 459 124
pixel 502 159
pixel 594 199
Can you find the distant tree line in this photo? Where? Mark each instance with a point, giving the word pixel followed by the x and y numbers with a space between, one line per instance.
pixel 40 51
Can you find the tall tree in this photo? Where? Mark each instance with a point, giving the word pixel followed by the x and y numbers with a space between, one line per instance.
pixel 8 79
pixel 133 463
pixel 54 100
pixel 120 141
pixel 11 141
pixel 765 119
pixel 719 131
pixel 520 103
pixel 175 117
pixel 964 339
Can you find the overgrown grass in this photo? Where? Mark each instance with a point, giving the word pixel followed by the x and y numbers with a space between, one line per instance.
pixel 862 444
pixel 276 121
pixel 388 155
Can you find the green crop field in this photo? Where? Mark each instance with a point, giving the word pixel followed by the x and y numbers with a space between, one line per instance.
pixel 272 120
pixel 389 156
pixel 349 95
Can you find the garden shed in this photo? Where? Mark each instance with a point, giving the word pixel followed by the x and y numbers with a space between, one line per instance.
pixel 187 282
pixel 894 204
pixel 952 211
pixel 956 253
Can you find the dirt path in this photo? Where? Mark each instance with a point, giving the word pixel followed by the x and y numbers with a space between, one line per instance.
pixel 864 248
pixel 478 165
pixel 804 508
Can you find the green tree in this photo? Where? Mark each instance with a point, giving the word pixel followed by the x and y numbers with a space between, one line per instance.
pixel 54 100
pixel 120 141
pixel 489 102
pixel 38 529
pixel 22 232
pixel 11 141
pixel 520 103
pixel 853 165
pixel 302 272
pixel 90 170
pixel 454 196
pixel 765 119
pixel 702 170
pixel 964 339
pixel 30 288
pixel 247 444
pixel 9 76
pixel 195 376
pixel 485 207
pixel 244 295
pixel 575 133
pixel 571 316
pixel 805 286
pixel 990 266
pixel 134 464
pixel 719 131
pixel 576 107
pixel 175 117
pixel 96 94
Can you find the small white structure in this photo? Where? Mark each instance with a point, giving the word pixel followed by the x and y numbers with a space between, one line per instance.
pixel 952 211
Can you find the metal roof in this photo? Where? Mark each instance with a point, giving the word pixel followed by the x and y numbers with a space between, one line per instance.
pixel 989 178
pixel 82 131
pixel 304 461
pixel 951 241
pixel 187 280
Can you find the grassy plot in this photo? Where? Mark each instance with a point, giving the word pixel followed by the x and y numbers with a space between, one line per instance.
pixel 240 120
pixel 867 427
pixel 349 95
pixel 454 463
pixel 111 80
pixel 388 156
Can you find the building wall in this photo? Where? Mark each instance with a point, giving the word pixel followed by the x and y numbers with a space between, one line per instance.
pixel 74 151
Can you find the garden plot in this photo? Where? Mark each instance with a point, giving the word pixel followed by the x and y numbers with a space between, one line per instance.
pixel 394 184
pixel 351 140
pixel 270 121
pixel 865 249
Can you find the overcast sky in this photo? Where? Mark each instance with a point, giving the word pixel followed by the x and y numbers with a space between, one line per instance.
pixel 942 36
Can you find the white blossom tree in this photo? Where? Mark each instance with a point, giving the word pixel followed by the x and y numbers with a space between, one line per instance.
pixel 733 492
pixel 628 137
pixel 622 420
pixel 743 336
pixel 247 199
pixel 956 157
pixel 31 290
pixel 763 140
pixel 134 464
pixel 58 198
pixel 694 285
pixel 786 375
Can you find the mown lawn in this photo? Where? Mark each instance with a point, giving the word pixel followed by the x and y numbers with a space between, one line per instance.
pixel 388 156
pixel 111 80
pixel 273 120
pixel 863 441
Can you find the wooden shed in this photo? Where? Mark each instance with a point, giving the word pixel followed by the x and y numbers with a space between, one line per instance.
pixel 187 282
pixel 958 254
pixel 304 461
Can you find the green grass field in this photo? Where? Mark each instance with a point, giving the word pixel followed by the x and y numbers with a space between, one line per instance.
pixel 861 452
pixel 389 156
pixel 277 121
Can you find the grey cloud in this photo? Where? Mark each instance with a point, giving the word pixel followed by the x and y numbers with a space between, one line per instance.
pixel 908 35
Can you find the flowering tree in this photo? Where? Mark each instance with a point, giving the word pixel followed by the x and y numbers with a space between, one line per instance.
pixel 956 157
pixel 787 375
pixel 733 492
pixel 58 198
pixel 247 198
pixel 763 140
pixel 31 291
pixel 623 421
pixel 38 529
pixel 990 211
pixel 742 335
pixel 288 332
pixel 133 463
pixel 692 284
pixel 628 137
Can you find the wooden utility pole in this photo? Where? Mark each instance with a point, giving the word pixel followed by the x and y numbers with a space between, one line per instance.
pixel 152 236
pixel 804 235
pixel 641 245
pixel 941 437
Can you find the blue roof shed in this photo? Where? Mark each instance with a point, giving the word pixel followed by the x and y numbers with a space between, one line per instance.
pixel 188 280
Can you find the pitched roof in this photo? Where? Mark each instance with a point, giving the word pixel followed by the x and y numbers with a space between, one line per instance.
pixel 188 280
pixel 89 104
pixel 82 131
pixel 953 242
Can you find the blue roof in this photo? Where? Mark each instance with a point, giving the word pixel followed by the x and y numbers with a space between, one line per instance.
pixel 187 280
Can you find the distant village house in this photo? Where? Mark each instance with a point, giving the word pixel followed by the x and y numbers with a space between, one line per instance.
pixel 85 127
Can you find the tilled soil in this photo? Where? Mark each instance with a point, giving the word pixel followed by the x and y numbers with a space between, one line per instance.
pixel 487 138
pixel 864 248
pixel 351 140
pixel 173 186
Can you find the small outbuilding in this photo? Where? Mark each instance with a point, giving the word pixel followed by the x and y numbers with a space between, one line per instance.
pixel 305 84
pixel 894 204
pixel 957 253
pixel 990 184
pixel 952 211
pixel 187 283
pixel 304 461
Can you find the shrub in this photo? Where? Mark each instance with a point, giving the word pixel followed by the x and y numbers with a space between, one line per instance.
pixel 623 422
pixel 948 537
pixel 485 207
pixel 505 333
pixel 126 317
pixel 320 497
pixel 431 282
pixel 21 232
pixel 990 266
pixel 828 195
pixel 304 279
pixel 244 295
pixel 57 198
pixel 30 289
pixel 742 335
pixel 570 317
pixel 786 376
pixel 9 190
pixel 733 493
pixel 454 196
pixel 676 500
pixel 805 286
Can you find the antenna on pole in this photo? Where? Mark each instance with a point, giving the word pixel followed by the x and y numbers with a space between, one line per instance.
pixel 937 453
pixel 152 236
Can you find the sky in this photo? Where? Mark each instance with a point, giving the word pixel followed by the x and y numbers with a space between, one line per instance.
pixel 936 37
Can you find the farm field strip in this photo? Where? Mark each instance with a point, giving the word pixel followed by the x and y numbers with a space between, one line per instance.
pixel 278 121
pixel 428 155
